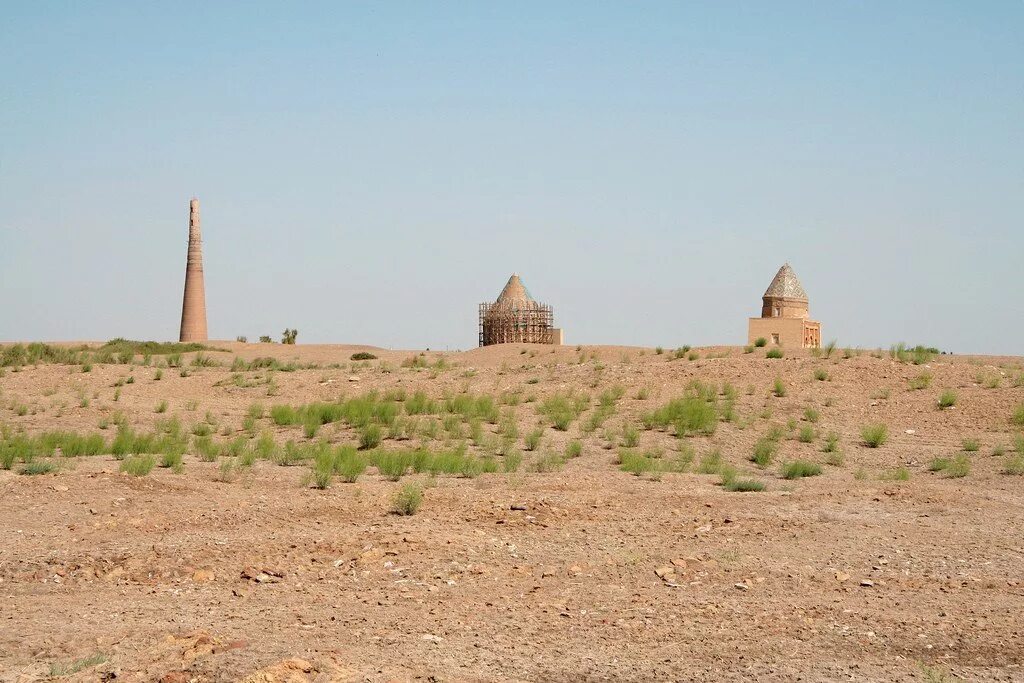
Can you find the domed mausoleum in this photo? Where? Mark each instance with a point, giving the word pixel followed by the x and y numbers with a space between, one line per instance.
pixel 785 318
pixel 515 317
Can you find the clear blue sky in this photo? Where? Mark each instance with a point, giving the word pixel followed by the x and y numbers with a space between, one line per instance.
pixel 370 172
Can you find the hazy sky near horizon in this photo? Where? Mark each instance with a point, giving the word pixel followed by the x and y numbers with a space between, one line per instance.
pixel 370 172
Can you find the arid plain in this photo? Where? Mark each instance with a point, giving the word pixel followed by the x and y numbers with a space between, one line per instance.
pixel 584 515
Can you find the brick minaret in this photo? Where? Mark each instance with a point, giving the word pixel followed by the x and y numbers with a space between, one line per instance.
pixel 193 306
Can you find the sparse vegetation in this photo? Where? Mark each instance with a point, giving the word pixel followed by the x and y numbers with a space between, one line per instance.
pixel 774 353
pixel 779 388
pixel 874 435
pixel 798 469
pixel 947 399
pixel 138 465
pixel 922 381
pixel 760 342
pixel 764 452
pixel 407 500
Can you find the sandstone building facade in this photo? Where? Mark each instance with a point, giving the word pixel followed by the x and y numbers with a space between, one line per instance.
pixel 515 317
pixel 785 316
pixel 193 305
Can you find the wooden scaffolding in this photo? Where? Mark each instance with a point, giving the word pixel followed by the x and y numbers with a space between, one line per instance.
pixel 511 322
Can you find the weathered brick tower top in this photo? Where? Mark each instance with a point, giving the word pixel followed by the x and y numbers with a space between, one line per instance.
pixel 785 296
pixel 193 306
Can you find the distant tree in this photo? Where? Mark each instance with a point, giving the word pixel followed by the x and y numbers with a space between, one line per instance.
pixel 241 338
pixel 288 336
pixel 265 339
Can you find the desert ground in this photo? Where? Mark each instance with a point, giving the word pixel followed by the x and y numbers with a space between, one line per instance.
pixel 583 516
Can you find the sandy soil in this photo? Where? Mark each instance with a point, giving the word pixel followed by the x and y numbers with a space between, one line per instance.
pixel 588 573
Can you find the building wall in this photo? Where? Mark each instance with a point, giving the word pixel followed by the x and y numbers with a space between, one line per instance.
pixel 794 333
pixel 557 336
pixel 782 307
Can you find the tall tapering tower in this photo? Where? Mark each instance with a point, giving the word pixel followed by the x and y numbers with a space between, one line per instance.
pixel 193 306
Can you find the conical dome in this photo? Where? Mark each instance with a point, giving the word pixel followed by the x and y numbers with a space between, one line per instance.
pixel 786 285
pixel 515 292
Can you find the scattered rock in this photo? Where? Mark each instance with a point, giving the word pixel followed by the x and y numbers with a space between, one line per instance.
pixel 842 576
pixel 741 586
pixel 662 572
pixel 867 583
pixel 261 575
pixel 203 576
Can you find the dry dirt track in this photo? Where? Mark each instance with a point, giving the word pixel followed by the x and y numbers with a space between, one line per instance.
pixel 587 573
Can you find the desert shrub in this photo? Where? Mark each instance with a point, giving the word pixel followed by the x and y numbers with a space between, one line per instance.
pixel 574 449
pixel 710 463
pixel 959 467
pixel 512 461
pixel 407 500
pixel 764 452
pixel 283 415
pixel 821 375
pixel 370 436
pixel 874 435
pixel 549 462
pixel 694 414
pixel 918 355
pixel 779 388
pixel 420 404
pixel 898 474
pixel 971 445
pixel 392 464
pixel 363 355
pixel 630 436
pixel 562 409
pixel 635 463
pixel 323 469
pixel 922 381
pixel 1014 464
pixel 38 467
pixel 800 468
pixel 806 434
pixel 760 342
pixel 748 348
pixel 831 444
pixel 738 485
pixel 471 467
pixel 1017 417
pixel 161 407
pixel 201 360
pixel 172 458
pixel 348 464
pixel 947 399
pixel 774 353
pixel 532 440
pixel 206 448
pixel 138 465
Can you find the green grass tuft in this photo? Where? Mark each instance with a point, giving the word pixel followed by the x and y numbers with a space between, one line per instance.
pixel 798 469
pixel 874 435
pixel 407 500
